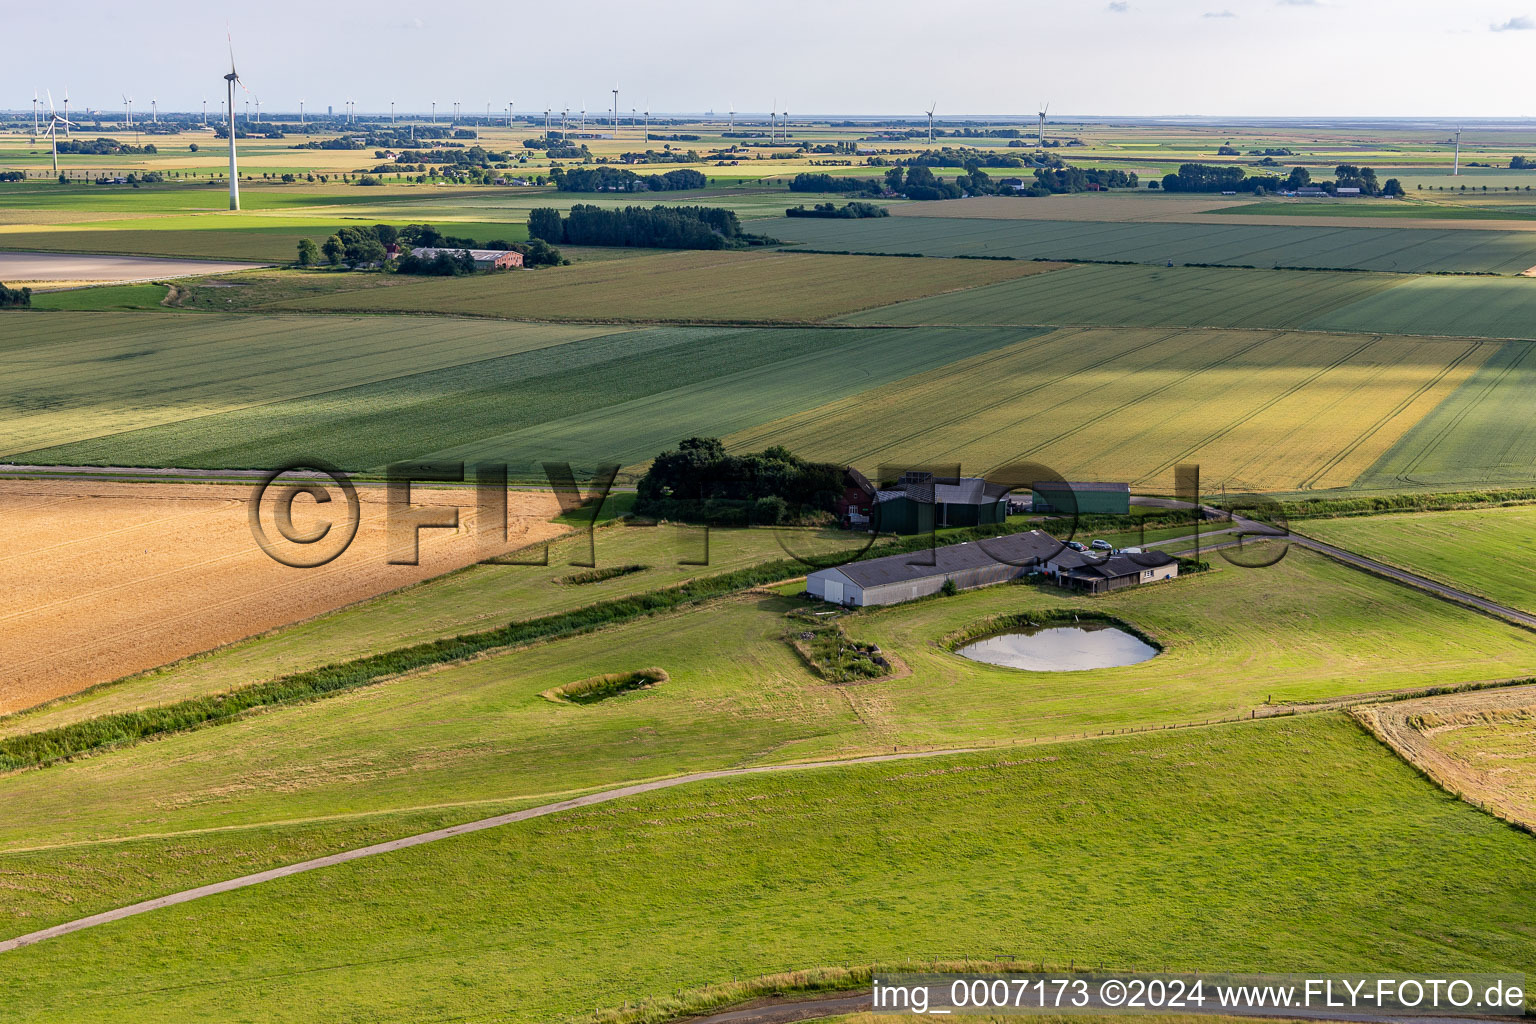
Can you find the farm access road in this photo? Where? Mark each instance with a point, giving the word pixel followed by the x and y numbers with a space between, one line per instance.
pixel 1376 568
pixel 245 881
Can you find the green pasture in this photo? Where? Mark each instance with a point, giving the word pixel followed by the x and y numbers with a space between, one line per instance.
pixel 1400 250
pixel 1230 848
pixel 1491 551
pixel 738 694
pixel 111 297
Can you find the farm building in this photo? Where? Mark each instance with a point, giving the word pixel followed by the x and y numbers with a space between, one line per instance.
pixel 904 577
pixel 1087 498
pixel 1098 574
pixel 485 259
pixel 858 499
pixel 921 502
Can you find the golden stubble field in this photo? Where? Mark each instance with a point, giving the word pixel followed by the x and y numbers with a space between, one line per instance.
pixel 104 579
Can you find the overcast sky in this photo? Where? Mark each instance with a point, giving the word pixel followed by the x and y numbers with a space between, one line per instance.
pixel 1463 58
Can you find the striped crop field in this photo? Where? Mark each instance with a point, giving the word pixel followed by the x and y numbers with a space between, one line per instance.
pixel 614 395
pixel 1396 249
pixel 1483 435
pixel 74 377
pixel 684 286
pixel 1142 296
pixel 1258 410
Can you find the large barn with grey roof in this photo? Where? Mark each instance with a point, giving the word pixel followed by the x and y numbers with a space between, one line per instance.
pixel 914 574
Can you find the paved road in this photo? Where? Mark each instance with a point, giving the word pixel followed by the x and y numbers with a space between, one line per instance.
pixel 1370 565
pixel 245 881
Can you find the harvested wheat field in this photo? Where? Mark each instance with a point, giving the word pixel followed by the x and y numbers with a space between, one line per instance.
pixel 1479 745
pixel 104 579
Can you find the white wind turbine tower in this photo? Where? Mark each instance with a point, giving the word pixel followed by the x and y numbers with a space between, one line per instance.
pixel 434 111
pixel 391 111
pixel 301 111
pixel 510 105
pixel 1456 167
pixel 35 102
pixel 234 172
pixel 205 111
pixel 55 122
pixel 1044 108
pixel 258 109
pixel 154 112
pixel 615 111
pixel 66 111
pixel 786 125
pixel 931 108
pixel 127 110
pixel 733 117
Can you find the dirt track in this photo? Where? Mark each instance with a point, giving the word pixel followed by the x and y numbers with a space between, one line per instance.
pixel 103 579
pixel 1500 777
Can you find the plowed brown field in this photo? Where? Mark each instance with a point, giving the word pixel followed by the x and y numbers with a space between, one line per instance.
pixel 104 579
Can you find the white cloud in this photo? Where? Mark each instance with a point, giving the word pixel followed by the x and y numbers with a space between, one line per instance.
pixel 1218 14
pixel 1119 6
pixel 1520 23
pixel 1299 3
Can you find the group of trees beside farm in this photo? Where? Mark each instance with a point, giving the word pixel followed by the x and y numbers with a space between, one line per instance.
pixel 617 179
pixel 699 482
pixel 1522 163
pixel 15 298
pixel 1230 178
pixel 370 246
pixel 656 227
pixel 849 211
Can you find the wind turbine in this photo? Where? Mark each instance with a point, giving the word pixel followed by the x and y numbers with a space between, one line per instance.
pixel 128 110
pixel 773 124
pixel 434 111
pixel 510 104
pixel 931 108
pixel 1044 108
pixel 154 111
pixel 647 126
pixel 786 125
pixel 55 122
pixel 615 111
pixel 258 109
pixel 301 111
pixel 35 102
pixel 1456 167
pixel 234 171
pixel 205 111
pixel 391 111
pixel 733 117
pixel 66 110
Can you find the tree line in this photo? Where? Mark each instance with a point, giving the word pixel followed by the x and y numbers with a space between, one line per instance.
pixel 658 227
pixel 617 179
pixel 370 245
pixel 852 211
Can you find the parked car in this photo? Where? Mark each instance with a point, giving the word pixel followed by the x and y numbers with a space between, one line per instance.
pixel 1102 545
pixel 1077 545
pixel 1130 551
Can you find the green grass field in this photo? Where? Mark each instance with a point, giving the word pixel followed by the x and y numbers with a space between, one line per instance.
pixel 1399 250
pixel 1491 552
pixel 1236 847
pixel 480 733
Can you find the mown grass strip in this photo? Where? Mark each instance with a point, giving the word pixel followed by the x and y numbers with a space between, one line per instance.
pixel 123 728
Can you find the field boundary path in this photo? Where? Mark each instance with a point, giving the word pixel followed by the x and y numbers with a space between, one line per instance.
pixel 1376 568
pixel 421 839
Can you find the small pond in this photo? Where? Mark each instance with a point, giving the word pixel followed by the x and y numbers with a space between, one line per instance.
pixel 1060 648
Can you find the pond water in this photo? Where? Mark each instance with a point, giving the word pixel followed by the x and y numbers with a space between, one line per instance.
pixel 1060 648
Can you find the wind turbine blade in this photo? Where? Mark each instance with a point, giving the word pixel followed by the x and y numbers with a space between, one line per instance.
pixel 50 100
